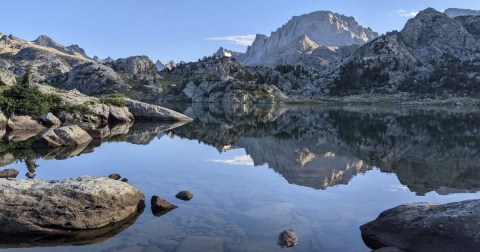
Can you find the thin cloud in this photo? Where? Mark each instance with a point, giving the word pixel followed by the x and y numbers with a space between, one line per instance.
pixel 244 40
pixel 236 160
pixel 404 13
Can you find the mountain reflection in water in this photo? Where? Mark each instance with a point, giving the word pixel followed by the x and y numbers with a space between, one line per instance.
pixel 243 208
pixel 428 149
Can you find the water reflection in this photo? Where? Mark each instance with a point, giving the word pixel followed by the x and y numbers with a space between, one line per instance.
pixel 76 238
pixel 19 147
pixel 428 149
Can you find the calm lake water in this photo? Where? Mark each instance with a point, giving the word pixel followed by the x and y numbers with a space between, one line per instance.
pixel 254 172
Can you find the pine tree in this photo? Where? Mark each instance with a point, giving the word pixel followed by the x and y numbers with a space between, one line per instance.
pixel 28 78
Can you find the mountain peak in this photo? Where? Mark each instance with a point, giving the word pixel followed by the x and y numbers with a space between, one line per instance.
pixel 320 28
pixel 44 40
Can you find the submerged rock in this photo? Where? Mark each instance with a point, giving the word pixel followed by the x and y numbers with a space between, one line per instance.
pixel 65 207
pixel 288 238
pixel 184 195
pixel 161 206
pixel 426 227
pixel 8 173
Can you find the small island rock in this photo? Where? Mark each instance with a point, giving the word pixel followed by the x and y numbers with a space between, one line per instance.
pixel 161 206
pixel 184 195
pixel 288 238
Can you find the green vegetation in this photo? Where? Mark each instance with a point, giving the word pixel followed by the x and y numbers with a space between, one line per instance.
pixel 114 99
pixel 27 100
pixel 82 109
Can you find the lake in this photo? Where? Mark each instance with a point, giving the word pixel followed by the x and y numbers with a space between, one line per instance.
pixel 256 171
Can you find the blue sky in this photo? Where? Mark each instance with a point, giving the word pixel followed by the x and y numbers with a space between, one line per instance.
pixel 187 29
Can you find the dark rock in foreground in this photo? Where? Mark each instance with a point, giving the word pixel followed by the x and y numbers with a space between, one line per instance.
pixel 161 206
pixel 8 173
pixel 184 195
pixel 426 227
pixel 287 238
pixel 65 207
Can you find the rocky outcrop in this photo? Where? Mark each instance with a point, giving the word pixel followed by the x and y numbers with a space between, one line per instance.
pixel 222 52
pixel 65 207
pixel 92 79
pixel 145 111
pixel 111 113
pixel 455 12
pixel 23 123
pixel 305 33
pixel 7 78
pixel 49 120
pixel 433 54
pixel 135 66
pixel 426 227
pixel 160 66
pixel 64 136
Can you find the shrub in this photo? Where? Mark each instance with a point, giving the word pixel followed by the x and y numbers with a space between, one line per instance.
pixel 82 109
pixel 27 101
pixel 115 100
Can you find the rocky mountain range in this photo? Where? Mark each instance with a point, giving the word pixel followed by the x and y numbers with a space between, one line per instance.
pixel 433 54
pixel 321 54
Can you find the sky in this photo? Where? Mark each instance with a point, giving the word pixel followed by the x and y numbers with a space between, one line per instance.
pixel 188 29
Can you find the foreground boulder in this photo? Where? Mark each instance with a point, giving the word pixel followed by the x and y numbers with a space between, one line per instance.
pixel 71 135
pixel 65 207
pixel 145 111
pixel 426 227
pixel 23 123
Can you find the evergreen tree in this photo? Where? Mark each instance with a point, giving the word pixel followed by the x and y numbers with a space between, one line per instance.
pixel 28 78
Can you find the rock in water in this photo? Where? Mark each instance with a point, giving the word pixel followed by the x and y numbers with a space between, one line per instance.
pixel 115 176
pixel 65 207
pixel 161 206
pixel 426 227
pixel 288 238
pixel 145 111
pixel 8 173
pixel 184 195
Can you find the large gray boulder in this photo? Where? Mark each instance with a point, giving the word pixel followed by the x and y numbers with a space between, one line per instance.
pixel 112 113
pixel 23 123
pixel 65 207
pixel 71 135
pixel 426 227
pixel 145 111
pixel 49 120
